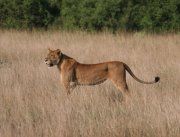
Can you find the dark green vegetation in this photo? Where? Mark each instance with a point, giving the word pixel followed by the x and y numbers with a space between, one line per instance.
pixel 113 15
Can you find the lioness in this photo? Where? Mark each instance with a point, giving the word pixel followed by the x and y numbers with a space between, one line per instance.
pixel 73 73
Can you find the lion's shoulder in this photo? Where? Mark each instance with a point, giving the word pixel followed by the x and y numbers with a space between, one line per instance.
pixel 69 64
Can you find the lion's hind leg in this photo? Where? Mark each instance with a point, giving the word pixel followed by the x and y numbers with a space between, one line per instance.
pixel 120 83
pixel 122 86
pixel 124 89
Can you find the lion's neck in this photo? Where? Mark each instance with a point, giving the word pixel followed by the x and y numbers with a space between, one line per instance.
pixel 62 59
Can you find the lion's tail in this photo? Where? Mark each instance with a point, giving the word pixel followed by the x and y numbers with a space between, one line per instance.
pixel 137 79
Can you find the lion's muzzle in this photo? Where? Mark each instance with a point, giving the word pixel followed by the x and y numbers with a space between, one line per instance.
pixel 47 62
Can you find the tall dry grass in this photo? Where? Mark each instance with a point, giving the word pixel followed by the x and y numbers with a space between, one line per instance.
pixel 34 104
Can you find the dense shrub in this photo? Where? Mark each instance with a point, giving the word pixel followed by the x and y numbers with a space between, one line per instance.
pixel 28 13
pixel 146 15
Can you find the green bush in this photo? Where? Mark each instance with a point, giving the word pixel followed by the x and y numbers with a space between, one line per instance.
pixel 92 15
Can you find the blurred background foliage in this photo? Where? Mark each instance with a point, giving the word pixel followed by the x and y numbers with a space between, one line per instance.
pixel 92 15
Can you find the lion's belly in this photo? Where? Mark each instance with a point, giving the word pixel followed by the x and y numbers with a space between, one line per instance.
pixel 91 75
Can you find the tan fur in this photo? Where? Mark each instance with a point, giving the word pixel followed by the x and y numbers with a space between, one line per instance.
pixel 74 73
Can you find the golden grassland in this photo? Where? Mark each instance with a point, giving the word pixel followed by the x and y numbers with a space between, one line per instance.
pixel 34 104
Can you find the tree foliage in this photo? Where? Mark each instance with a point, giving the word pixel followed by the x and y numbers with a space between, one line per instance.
pixel 114 15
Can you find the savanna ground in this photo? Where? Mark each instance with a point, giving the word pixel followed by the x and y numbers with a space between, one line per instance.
pixel 34 104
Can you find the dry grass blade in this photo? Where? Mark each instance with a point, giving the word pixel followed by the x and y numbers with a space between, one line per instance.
pixel 33 103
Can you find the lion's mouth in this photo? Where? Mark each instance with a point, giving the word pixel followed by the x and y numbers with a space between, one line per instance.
pixel 50 65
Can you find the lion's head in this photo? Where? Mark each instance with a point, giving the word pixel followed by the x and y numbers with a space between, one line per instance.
pixel 53 57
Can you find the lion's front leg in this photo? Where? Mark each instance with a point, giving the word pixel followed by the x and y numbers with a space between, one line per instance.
pixel 67 87
pixel 73 85
pixel 67 83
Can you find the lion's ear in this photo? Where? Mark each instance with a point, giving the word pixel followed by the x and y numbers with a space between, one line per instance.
pixel 58 51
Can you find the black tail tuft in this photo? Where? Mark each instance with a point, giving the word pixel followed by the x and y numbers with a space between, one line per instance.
pixel 157 79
